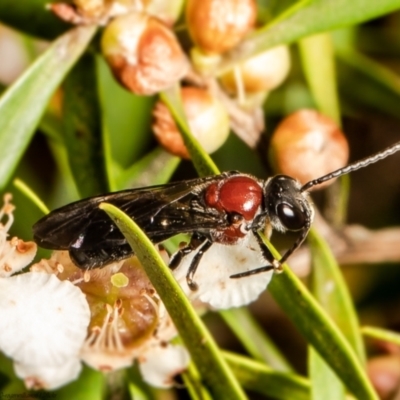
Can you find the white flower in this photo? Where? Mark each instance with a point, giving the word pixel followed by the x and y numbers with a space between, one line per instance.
pixel 161 363
pixel 218 263
pixel 43 324
pixel 15 254
pixel 57 315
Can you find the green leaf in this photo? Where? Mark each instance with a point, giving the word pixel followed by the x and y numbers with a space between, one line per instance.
pixel 32 17
pixel 30 194
pixel 254 339
pixel 213 369
pixel 304 19
pixel 259 378
pixel 325 383
pixel 201 160
pixel 319 67
pixel 23 104
pixel 381 334
pixel 320 331
pixel 330 290
pixel 332 293
pixel 194 385
pixel 83 128
pixel 155 168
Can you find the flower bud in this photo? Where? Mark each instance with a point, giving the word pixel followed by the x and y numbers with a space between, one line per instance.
pixel 219 25
pixel 261 73
pixel 207 118
pixel 143 53
pixel 307 145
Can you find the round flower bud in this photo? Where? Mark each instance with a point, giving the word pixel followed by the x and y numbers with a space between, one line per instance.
pixel 219 25
pixel 261 73
pixel 207 118
pixel 143 53
pixel 307 145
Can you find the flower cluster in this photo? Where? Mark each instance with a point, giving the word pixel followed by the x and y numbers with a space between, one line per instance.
pixel 146 57
pixel 55 316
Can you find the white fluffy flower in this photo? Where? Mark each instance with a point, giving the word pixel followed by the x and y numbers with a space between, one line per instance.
pixel 218 263
pixel 162 362
pixel 43 324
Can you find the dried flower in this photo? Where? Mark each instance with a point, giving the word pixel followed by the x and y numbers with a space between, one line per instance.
pixel 207 118
pixel 57 315
pixel 128 320
pixel 143 53
pixel 307 145
pixel 219 25
pixel 15 254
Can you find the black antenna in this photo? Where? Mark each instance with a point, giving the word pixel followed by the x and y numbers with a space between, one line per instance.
pixel 353 167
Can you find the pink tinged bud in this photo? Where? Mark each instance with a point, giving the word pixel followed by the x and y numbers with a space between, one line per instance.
pixel 143 54
pixel 207 118
pixel 217 26
pixel 307 145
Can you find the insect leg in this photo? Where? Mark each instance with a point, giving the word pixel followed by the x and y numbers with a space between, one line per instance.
pixel 195 241
pixel 274 263
pixel 195 263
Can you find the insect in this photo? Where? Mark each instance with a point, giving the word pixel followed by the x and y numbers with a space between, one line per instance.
pixel 222 208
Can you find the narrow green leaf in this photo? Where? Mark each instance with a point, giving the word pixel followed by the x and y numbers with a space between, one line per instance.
pixel 332 293
pixel 320 331
pixel 304 19
pixel 30 194
pixel 254 339
pixel 201 160
pixel 23 104
pixel 259 378
pixel 83 128
pixel 381 334
pixel 325 383
pixel 213 369
pixel 194 385
pixel 155 168
pixel 319 67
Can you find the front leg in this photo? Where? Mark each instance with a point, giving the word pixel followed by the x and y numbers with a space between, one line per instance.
pixel 274 263
pixel 196 242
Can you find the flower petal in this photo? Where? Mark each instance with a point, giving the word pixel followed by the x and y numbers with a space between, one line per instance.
pixel 48 376
pixel 43 320
pixel 215 286
pixel 161 363
pixel 16 255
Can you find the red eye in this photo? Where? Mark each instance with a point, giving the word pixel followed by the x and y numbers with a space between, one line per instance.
pixel 291 217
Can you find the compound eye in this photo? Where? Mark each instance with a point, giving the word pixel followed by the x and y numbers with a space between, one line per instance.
pixel 292 218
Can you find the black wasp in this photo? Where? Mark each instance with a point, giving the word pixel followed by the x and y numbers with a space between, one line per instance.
pixel 222 208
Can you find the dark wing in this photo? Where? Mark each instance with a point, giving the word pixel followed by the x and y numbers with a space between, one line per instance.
pixel 161 211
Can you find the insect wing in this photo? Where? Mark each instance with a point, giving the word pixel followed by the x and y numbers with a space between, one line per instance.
pixel 94 240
